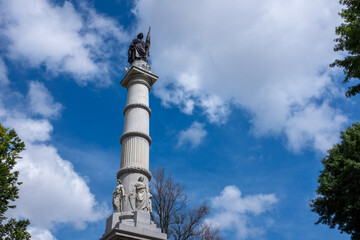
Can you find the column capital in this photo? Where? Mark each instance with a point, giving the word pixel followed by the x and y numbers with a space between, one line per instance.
pixel 138 73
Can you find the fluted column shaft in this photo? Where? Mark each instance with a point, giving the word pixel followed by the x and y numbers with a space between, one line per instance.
pixel 135 140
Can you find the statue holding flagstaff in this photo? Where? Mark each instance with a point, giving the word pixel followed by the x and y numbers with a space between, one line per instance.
pixel 139 50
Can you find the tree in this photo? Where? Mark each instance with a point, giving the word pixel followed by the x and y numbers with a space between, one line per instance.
pixel 10 147
pixel 172 213
pixel 188 225
pixel 349 41
pixel 338 200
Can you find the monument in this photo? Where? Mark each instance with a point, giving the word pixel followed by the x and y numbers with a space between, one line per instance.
pixel 131 197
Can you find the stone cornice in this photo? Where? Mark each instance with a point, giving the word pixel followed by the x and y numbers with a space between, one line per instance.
pixel 137 105
pixel 135 134
pixel 135 74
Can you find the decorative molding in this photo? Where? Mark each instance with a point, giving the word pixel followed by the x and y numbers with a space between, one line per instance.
pixel 134 169
pixel 137 105
pixel 135 134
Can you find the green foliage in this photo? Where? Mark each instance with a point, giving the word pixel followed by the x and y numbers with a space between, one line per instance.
pixel 338 201
pixel 15 229
pixel 349 41
pixel 10 147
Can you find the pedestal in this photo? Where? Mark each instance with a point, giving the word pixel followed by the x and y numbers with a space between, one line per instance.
pixel 132 226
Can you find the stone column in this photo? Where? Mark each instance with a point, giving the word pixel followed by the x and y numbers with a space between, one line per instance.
pixel 136 140
pixel 132 198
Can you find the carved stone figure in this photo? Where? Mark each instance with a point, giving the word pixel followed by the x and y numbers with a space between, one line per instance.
pixel 119 197
pixel 140 198
pixel 141 194
pixel 139 50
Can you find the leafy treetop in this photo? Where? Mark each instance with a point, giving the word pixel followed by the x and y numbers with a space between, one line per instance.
pixel 349 41
pixel 10 147
pixel 338 201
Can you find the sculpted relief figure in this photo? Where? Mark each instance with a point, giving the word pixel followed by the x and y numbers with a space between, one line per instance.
pixel 141 197
pixel 139 50
pixel 141 194
pixel 119 197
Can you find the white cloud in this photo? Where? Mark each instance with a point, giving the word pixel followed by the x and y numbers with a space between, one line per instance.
pixel 270 58
pixel 30 130
pixel 234 212
pixel 3 73
pixel 316 125
pixel 194 135
pixel 52 191
pixel 41 102
pixel 61 38
pixel 40 234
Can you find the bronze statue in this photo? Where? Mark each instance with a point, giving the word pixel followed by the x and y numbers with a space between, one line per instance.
pixel 139 50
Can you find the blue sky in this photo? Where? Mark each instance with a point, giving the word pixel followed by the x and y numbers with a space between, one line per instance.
pixel 244 109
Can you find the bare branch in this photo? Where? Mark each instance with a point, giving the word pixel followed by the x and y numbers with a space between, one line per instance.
pixel 171 213
pixel 168 199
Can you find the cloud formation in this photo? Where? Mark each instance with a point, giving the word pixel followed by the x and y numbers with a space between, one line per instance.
pixel 30 130
pixel 234 212
pixel 61 38
pixel 40 234
pixel 52 191
pixel 41 102
pixel 193 136
pixel 270 58
pixel 319 123
pixel 65 196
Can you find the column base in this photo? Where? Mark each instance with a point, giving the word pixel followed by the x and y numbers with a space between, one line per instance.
pixel 132 225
